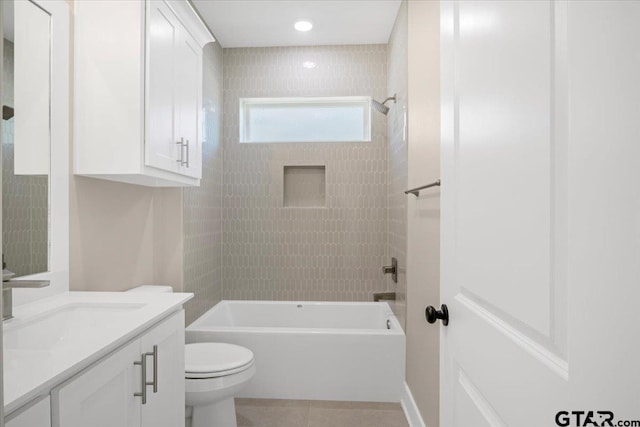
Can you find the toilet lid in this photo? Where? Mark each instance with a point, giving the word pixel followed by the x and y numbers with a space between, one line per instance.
pixel 215 358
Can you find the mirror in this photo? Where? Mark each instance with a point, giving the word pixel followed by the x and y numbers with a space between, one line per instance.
pixel 26 135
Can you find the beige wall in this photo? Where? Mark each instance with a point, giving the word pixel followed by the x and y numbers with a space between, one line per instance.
pixel 124 235
pixel 423 213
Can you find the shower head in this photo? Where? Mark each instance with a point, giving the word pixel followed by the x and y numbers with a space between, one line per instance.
pixel 380 106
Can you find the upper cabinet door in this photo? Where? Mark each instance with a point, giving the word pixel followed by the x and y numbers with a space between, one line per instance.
pixel 189 102
pixel 162 149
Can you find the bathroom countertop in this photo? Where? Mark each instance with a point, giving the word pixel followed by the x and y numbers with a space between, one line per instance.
pixel 52 339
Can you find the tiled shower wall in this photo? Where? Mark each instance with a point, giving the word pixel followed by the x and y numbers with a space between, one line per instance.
pixel 332 253
pixel 202 206
pixel 397 157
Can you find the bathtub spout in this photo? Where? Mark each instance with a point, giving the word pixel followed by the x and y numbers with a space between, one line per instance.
pixel 384 296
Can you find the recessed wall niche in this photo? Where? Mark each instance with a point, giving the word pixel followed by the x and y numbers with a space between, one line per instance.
pixel 304 186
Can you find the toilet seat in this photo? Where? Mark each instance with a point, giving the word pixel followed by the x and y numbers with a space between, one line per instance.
pixel 213 360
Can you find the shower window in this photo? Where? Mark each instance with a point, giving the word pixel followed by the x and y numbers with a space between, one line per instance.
pixel 318 119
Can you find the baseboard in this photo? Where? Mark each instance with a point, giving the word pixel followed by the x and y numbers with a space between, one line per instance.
pixel 410 408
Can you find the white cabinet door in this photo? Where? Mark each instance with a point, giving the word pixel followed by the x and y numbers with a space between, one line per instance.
pixel 38 415
pixel 189 102
pixel 175 94
pixel 162 150
pixel 102 396
pixel 165 406
pixel 540 208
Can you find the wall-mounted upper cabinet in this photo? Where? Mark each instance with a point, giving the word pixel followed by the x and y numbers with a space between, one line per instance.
pixel 138 91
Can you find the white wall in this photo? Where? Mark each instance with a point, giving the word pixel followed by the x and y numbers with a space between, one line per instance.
pixel 423 213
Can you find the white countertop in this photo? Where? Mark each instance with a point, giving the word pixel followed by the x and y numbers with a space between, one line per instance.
pixel 93 325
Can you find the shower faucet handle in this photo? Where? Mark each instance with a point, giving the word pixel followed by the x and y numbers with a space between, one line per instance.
pixel 392 269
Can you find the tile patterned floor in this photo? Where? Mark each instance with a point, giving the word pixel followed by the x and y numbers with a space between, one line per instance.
pixel 306 413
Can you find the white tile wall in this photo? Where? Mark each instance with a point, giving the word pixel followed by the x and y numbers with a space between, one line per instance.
pixel 331 253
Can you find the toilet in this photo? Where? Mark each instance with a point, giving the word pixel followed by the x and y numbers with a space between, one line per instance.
pixel 214 374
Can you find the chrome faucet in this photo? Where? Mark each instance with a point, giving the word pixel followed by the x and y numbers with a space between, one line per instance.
pixel 8 283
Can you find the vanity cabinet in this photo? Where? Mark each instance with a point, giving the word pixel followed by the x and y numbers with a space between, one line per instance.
pixel 138 91
pixel 111 392
pixel 36 415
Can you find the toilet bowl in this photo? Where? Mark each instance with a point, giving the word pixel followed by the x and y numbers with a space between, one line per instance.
pixel 214 374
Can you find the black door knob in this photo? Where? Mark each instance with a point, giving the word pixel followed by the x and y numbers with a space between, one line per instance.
pixel 433 315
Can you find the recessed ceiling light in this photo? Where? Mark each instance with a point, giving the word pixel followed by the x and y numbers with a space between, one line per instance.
pixel 309 64
pixel 303 25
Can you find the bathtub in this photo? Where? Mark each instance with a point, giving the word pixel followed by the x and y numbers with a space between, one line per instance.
pixel 351 351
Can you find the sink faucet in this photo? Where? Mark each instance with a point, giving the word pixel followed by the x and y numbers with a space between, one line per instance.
pixel 8 284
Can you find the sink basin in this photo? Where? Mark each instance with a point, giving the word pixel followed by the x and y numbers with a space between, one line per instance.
pixel 63 327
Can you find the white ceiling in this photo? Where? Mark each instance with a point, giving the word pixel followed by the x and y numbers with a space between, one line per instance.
pixel 259 23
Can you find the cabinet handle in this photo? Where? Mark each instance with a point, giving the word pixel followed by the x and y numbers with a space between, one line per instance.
pixel 181 144
pixel 154 383
pixel 187 162
pixel 143 382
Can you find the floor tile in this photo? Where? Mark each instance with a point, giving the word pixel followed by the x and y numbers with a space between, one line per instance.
pixel 356 414
pixel 272 413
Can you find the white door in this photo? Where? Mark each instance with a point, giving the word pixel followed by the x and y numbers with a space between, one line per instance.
pixel 540 213
pixel 102 396
pixel 189 102
pixel 162 150
pixel 165 402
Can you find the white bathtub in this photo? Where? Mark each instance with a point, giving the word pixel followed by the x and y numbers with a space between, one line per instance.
pixel 313 350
